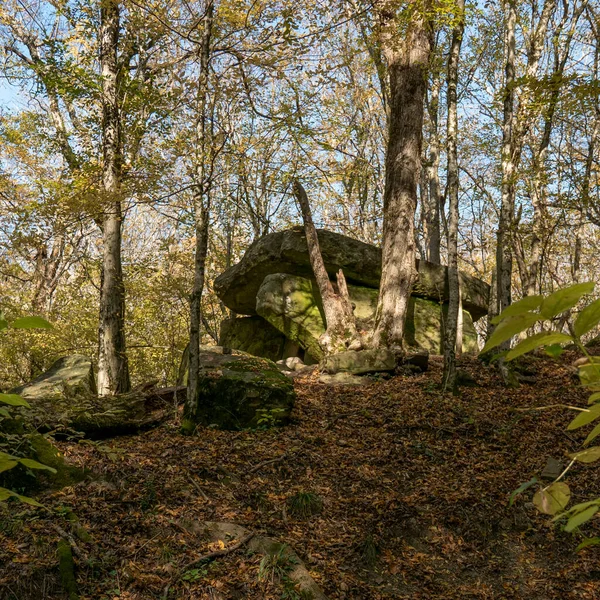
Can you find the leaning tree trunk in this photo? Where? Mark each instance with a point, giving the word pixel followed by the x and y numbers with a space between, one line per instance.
pixel 201 206
pixel 341 333
pixel 407 54
pixel 452 321
pixel 113 370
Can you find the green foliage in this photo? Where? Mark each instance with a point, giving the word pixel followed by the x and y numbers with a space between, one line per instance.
pixel 554 498
pixel 268 417
pixel 276 566
pixel 304 505
pixel 9 461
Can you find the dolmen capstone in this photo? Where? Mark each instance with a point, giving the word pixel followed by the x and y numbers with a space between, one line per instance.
pixel 274 288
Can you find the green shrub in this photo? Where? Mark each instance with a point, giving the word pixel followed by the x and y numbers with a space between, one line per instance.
pixel 553 499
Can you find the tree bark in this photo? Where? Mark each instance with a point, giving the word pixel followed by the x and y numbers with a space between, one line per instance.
pixel 201 207
pixel 432 218
pixel 341 333
pixel 407 54
pixel 113 370
pixel 452 321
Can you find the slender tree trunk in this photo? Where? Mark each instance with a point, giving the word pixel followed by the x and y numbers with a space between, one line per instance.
pixel 113 370
pixel 433 238
pixel 341 333
pixel 201 206
pixel 452 322
pixel 504 260
pixel 407 55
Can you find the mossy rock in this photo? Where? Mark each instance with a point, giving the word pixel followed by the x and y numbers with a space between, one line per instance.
pixel 64 397
pixel 21 440
pixel 293 305
pixel 238 392
pixel 253 335
pixel 287 252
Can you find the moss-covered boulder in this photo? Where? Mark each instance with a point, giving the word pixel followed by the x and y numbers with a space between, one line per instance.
pixel 69 376
pixel 65 397
pixel 238 392
pixel 361 362
pixel 293 305
pixel 254 336
pixel 18 438
pixel 287 252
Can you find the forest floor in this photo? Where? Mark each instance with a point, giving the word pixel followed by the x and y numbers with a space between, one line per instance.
pixel 414 487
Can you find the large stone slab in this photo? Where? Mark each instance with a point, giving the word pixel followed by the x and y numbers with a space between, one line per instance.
pixel 286 252
pixel 65 397
pixel 372 360
pixel 237 392
pixel 293 305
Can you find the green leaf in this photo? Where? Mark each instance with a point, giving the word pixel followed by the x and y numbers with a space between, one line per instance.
pixel 594 398
pixel 544 338
pixel 521 489
pixel 593 435
pixel 593 541
pixel 586 456
pixel 561 300
pixel 6 494
pixel 509 328
pixel 553 499
pixel 4 413
pixel 585 417
pixel 14 400
pixel 3 324
pixel 28 500
pixel 589 375
pixel 555 350
pixel 524 305
pixel 34 464
pixel 6 465
pixel 31 323
pixel 587 319
pixel 581 517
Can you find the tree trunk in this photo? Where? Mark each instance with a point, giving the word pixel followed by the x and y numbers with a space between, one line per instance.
pixel 407 55
pixel 433 178
pixel 452 321
pixel 201 206
pixel 341 333
pixel 113 370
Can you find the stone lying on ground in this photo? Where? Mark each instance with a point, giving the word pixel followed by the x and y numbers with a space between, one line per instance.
pixel 65 397
pixel 228 534
pixel 183 365
pixel 286 252
pixel 342 378
pixel 372 360
pixel 292 304
pixel 236 392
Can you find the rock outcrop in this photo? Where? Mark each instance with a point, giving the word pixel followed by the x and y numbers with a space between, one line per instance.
pixel 286 252
pixel 238 392
pixel 65 397
pixel 274 283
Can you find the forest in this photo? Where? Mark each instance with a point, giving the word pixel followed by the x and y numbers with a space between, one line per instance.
pixel 297 299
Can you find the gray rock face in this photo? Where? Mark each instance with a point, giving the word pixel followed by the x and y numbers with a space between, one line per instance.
pixel 236 392
pixel 252 335
pixel 286 252
pixel 374 360
pixel 68 376
pixel 66 396
pixel 292 305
